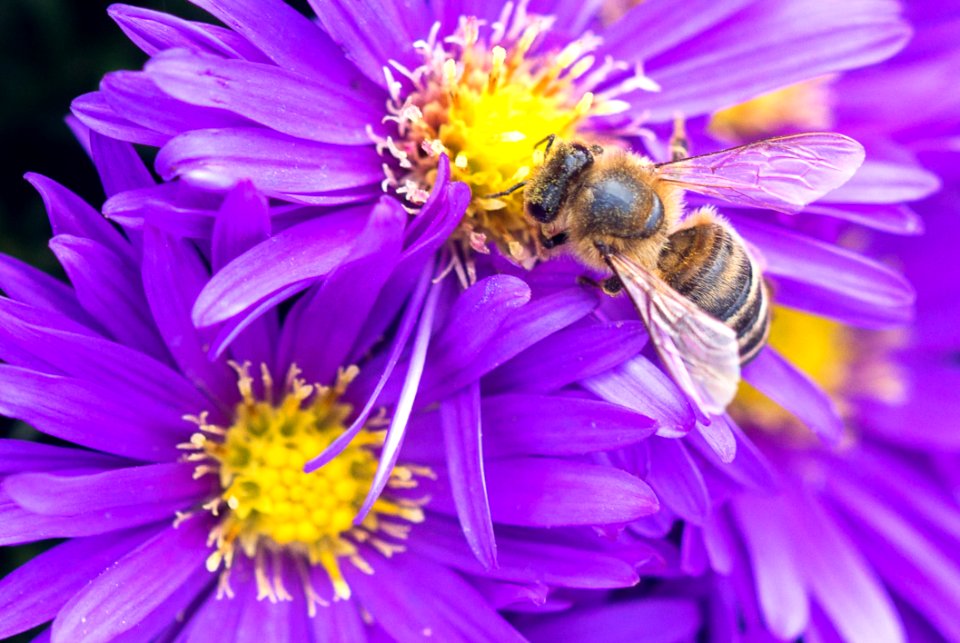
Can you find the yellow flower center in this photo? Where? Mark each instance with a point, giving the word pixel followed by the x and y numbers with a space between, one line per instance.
pixel 805 106
pixel 268 505
pixel 486 102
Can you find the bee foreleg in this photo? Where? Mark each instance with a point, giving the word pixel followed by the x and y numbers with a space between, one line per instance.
pixel 548 139
pixel 510 190
pixel 679 144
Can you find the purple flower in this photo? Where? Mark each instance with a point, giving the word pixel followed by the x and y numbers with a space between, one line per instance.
pixel 180 483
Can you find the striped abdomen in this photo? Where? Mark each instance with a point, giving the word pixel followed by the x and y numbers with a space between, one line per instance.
pixel 710 266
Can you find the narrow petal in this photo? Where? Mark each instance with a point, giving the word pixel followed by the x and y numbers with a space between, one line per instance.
pixel 275 162
pixel 298 254
pixel 29 285
pixel 828 280
pixel 896 219
pixel 55 494
pixel 677 481
pixel 768 46
pixel 408 393
pixel 776 378
pixel 522 558
pixel 118 164
pixel 51 405
pixel 118 303
pixel 55 345
pixel 370 33
pixel 95 112
pixel 19 456
pixel 174 273
pixel 267 95
pixel 462 435
pixel 155 31
pixel 781 585
pixel 524 328
pixel 427 597
pixel 338 309
pixel 137 98
pixel 150 575
pixel 242 222
pixel 570 355
pixel 640 386
pixel 171 207
pixel 71 215
pixel 522 424
pixel 287 37
pixel 548 492
pixel 881 180
pixel 33 593
pixel 652 620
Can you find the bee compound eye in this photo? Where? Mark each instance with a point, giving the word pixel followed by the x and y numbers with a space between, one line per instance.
pixel 538 212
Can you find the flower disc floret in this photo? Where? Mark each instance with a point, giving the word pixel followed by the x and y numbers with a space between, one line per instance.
pixel 268 503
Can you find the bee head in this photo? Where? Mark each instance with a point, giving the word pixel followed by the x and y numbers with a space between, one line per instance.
pixel 547 189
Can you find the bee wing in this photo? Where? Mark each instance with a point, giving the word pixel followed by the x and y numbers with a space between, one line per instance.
pixel 699 352
pixel 783 173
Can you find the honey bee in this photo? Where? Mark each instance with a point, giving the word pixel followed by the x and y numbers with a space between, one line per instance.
pixel 691 278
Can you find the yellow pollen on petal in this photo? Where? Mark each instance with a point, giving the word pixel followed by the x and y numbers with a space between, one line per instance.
pixel 805 106
pixel 269 507
pixel 486 98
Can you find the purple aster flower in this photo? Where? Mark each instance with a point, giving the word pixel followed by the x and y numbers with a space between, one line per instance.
pixel 179 479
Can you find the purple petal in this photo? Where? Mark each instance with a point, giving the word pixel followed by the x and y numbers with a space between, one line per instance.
pixel 569 356
pixel 522 424
pixel 296 255
pixel 107 423
pixel 657 27
pixel 651 620
pixel 524 559
pixel 426 597
pixel 408 393
pixel 370 34
pixel 287 37
pixel 524 328
pixel 154 31
pixel 35 592
pixel 71 215
pixel 462 435
pixel 478 313
pixel 675 478
pixel 276 163
pixel 150 575
pixel 640 386
pixel 55 494
pixel 267 95
pixel 886 181
pixel 338 309
pixel 29 285
pixel 719 438
pixel 242 222
pixel 119 302
pixel 896 219
pixel 138 99
pixel 828 280
pixel 118 164
pixel 214 617
pixel 95 112
pixel 169 207
pixel 166 620
pixel 781 587
pixel 776 378
pixel 54 344
pixel 766 47
pixel 548 492
pixel 18 456
pixel 174 273
pixel 843 583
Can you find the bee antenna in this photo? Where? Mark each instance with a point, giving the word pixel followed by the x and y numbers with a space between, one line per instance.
pixel 507 191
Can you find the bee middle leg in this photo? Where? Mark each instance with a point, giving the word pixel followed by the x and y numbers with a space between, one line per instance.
pixel 679 144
